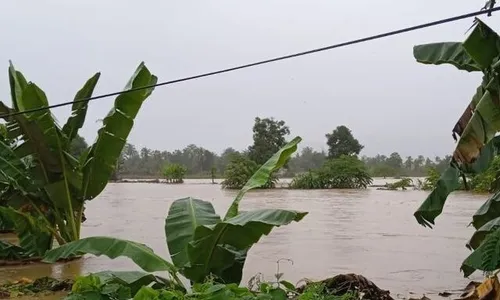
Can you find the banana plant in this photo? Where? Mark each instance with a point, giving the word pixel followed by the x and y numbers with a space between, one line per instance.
pixel 41 182
pixel 477 143
pixel 200 242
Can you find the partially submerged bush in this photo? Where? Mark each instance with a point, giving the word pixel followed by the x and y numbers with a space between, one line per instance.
pixel 174 173
pixel 240 169
pixel 345 172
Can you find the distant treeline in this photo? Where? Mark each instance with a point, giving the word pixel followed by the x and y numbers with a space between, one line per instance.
pixel 199 162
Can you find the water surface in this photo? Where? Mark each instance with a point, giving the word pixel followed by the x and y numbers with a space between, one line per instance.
pixel 370 232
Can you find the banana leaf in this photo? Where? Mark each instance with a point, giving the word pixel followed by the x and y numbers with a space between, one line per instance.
pixel 11 252
pixel 262 175
pixel 12 168
pixel 449 181
pixel 104 153
pixel 486 257
pixel 17 85
pixel 482 46
pixel 221 249
pixel 79 109
pixel 482 232
pixel 488 211
pixel 34 237
pixel 133 279
pixel 183 217
pixel 142 255
pixel 452 53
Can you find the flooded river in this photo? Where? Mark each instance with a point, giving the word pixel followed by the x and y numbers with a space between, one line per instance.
pixel 370 232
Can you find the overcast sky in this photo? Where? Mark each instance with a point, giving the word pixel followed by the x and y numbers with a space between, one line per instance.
pixel 390 102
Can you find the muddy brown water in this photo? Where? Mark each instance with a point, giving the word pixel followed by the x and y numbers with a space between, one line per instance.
pixel 369 232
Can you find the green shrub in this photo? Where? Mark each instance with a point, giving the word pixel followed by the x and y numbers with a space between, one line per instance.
pixel 345 172
pixel 240 169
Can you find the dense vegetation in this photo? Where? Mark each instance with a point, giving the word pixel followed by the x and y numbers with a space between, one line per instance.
pixel 477 144
pixel 45 177
pixel 200 162
pixel 174 173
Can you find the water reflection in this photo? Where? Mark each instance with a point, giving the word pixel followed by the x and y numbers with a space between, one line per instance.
pixel 369 232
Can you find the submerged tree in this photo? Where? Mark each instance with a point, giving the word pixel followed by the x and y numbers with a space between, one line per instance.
pixel 342 142
pixel 44 186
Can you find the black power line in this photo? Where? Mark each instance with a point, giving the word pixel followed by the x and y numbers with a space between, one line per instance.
pixel 357 41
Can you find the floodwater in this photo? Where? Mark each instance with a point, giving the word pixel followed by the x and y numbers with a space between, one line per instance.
pixel 369 232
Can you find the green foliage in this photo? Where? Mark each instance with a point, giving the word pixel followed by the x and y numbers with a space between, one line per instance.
pixel 200 243
pixel 484 182
pixel 403 183
pixel 268 138
pixel 46 174
pixel 174 173
pixel 477 143
pixel 240 169
pixel 430 182
pixel 345 172
pixel 93 286
pixel 341 142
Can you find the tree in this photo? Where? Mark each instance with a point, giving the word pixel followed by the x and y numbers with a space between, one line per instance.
pixel 408 163
pixel 342 142
pixel 268 138
pixel 78 145
pixel 395 161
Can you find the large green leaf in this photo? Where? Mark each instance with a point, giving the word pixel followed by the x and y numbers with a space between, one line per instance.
pixel 484 120
pixel 221 249
pixel 17 85
pixel 11 252
pixel 33 233
pixel 79 109
pixel 12 168
pixel 433 205
pixel 487 212
pixel 183 217
pixel 132 279
pixel 486 257
pixel 142 255
pixel 449 181
pixel 482 232
pixel 482 45
pixel 262 175
pixel 445 53
pixel 104 153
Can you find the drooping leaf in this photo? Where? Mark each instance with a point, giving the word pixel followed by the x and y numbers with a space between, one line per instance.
pixel 452 53
pixel 34 237
pixel 261 177
pixel 488 211
pixel 183 217
pixel 111 139
pixel 482 232
pixel 433 205
pixel 12 168
pixel 486 257
pixel 464 119
pixel 11 252
pixel 484 120
pixel 142 255
pixel 482 45
pixel 79 109
pixel 132 279
pixel 217 249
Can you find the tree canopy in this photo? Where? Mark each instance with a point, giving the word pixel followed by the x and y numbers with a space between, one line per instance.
pixel 342 142
pixel 268 137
